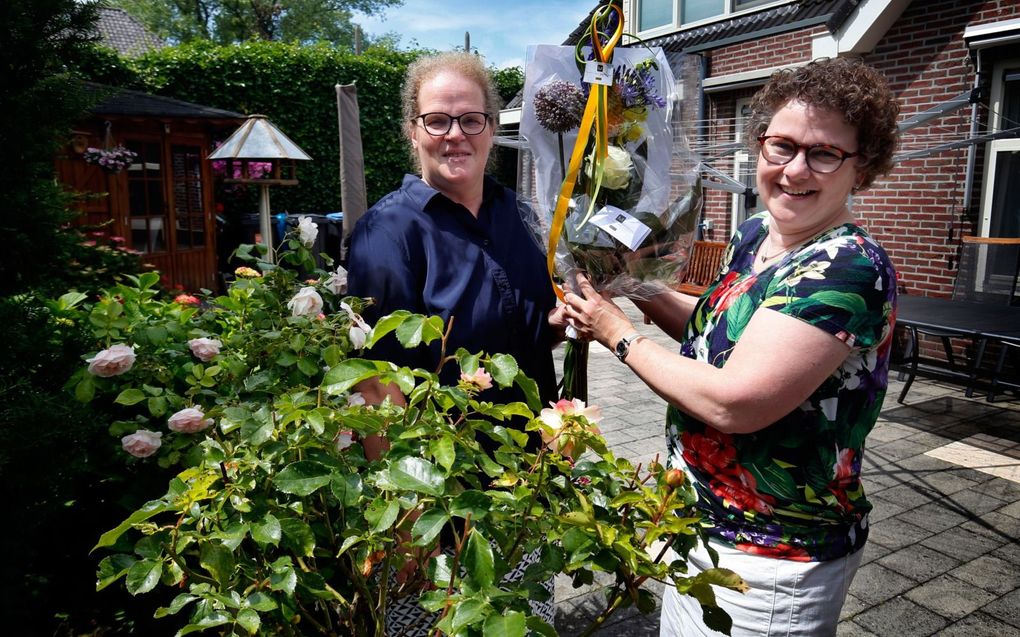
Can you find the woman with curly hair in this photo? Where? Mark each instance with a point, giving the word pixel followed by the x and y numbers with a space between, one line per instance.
pixel 783 362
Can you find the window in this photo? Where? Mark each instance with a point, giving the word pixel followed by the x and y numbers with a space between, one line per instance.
pixel 653 14
pixel 695 10
pixel 1001 209
pixel 146 201
pixel 188 211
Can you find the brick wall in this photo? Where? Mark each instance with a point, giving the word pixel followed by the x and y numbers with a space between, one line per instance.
pixel 918 212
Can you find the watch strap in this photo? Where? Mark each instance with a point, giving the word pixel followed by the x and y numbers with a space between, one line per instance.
pixel 623 345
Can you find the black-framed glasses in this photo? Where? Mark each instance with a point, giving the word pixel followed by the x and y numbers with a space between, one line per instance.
pixel 821 158
pixel 471 123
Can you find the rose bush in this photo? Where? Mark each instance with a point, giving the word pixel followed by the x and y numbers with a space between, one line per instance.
pixel 276 522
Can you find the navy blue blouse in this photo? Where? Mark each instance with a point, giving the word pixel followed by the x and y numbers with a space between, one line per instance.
pixel 418 250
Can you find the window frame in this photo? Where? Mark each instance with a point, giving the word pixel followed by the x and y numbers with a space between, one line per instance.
pixel 993 150
pixel 677 23
pixel 996 146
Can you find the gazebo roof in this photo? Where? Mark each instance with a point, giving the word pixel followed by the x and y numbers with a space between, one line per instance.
pixel 258 138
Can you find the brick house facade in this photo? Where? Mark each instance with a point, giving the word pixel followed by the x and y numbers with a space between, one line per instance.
pixel 932 51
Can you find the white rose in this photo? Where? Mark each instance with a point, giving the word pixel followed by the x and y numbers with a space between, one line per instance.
pixel 306 302
pixel 358 337
pixel 112 362
pixel 189 421
pixel 307 231
pixel 205 349
pixel 616 169
pixel 337 281
pixel 143 443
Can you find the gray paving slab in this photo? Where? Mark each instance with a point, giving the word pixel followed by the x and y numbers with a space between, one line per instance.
pixel 901 617
pixel 943 557
pixel 950 597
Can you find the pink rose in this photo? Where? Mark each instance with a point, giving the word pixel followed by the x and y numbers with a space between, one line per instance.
pixel 562 418
pixel 143 443
pixel 189 421
pixel 112 362
pixel 205 349
pixel 480 379
pixel 186 299
pixel 344 439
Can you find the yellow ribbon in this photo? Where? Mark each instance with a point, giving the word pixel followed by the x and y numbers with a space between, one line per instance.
pixel 595 117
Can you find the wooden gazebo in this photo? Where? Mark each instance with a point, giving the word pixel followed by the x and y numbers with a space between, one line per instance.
pixel 162 202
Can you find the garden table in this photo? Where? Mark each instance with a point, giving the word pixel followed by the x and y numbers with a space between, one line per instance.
pixel 980 322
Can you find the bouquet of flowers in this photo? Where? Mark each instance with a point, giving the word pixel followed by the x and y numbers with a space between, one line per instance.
pixel 112 160
pixel 625 205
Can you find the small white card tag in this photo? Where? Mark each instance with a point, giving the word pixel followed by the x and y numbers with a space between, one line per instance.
pixel 621 225
pixel 596 72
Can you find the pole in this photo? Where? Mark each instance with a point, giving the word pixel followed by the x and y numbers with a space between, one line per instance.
pixel 265 224
pixel 467 41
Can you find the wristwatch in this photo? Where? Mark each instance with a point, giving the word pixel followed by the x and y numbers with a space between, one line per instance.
pixel 623 345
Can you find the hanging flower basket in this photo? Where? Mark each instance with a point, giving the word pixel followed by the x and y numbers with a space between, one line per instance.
pixel 112 160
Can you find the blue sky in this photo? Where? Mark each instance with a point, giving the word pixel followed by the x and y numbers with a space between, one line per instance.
pixel 501 30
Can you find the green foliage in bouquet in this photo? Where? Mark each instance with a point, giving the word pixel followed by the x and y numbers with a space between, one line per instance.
pixel 276 522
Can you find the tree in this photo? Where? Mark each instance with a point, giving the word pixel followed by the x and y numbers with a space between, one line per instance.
pixel 228 21
pixel 41 43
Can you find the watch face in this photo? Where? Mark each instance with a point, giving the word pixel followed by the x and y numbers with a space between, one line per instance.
pixel 622 347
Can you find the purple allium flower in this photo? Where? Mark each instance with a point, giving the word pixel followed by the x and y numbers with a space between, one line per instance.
pixel 559 106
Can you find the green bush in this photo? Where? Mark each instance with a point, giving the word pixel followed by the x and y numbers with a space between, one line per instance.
pixel 280 522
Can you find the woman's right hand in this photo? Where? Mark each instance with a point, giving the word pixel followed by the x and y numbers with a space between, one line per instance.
pixel 596 314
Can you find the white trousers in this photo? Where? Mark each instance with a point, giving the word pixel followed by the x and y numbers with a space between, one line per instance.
pixel 786 598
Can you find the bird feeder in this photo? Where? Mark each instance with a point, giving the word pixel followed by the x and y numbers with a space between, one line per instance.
pixel 247 151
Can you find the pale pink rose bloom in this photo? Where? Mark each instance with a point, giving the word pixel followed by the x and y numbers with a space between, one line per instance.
pixel 143 443
pixel 306 302
pixel 337 281
pixel 113 361
pixel 205 349
pixel 480 379
pixel 553 418
pixel 344 439
pixel 356 399
pixel 189 421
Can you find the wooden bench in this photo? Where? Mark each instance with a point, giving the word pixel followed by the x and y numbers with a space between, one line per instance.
pixel 706 259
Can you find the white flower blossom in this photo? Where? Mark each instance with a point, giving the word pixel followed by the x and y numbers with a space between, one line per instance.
pixel 359 328
pixel 307 231
pixel 306 302
pixel 337 281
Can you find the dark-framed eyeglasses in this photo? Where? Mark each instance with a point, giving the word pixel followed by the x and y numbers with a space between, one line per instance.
pixel 821 158
pixel 471 123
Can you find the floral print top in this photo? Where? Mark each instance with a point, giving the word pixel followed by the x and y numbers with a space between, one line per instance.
pixel 792 490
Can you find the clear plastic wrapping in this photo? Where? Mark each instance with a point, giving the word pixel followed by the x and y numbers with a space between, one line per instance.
pixel 632 216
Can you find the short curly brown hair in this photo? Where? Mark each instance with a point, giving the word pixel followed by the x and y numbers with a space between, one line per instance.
pixel 426 67
pixel 843 85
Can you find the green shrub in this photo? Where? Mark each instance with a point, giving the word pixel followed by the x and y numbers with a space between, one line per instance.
pixel 278 522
